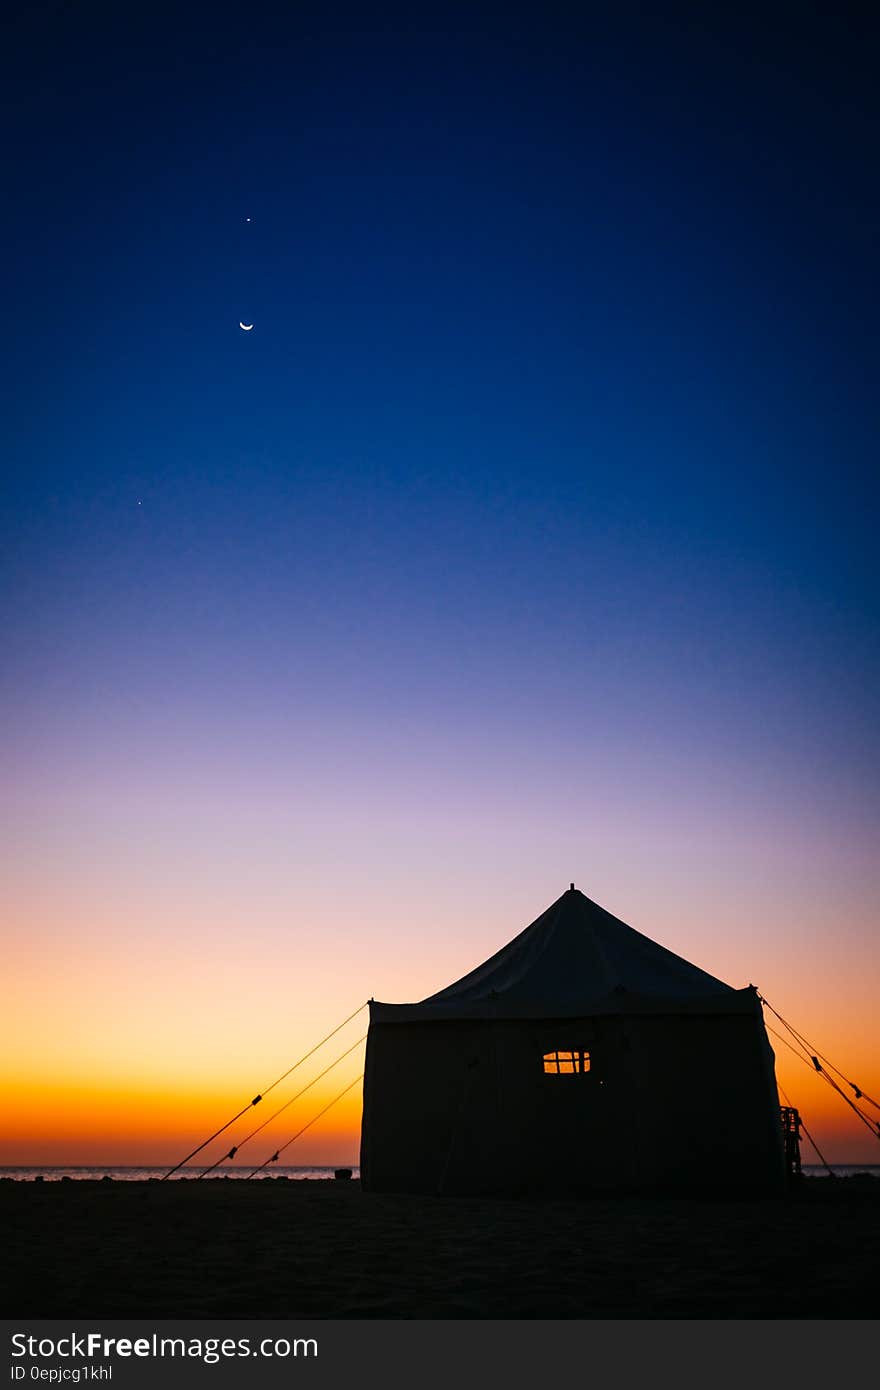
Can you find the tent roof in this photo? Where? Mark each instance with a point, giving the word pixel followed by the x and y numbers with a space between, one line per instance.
pixel 574 960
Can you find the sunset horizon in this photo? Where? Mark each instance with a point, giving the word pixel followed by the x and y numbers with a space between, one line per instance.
pixel 440 705
pixel 152 1114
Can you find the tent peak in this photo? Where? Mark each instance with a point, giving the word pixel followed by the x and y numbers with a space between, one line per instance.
pixel 573 958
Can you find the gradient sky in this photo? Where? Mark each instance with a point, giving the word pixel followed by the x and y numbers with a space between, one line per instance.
pixel 530 536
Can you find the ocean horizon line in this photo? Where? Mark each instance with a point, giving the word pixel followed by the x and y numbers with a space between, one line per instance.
pixel 135 1172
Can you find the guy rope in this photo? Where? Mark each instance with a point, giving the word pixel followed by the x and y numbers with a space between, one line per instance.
pixel 240 1145
pixel 276 1155
pixel 277 1082
pixel 810 1056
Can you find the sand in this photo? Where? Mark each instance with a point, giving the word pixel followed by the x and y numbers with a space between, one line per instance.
pixel 303 1249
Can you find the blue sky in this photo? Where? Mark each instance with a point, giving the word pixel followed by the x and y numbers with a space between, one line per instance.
pixel 546 479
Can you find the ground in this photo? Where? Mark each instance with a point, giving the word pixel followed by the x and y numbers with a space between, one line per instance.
pixel 303 1249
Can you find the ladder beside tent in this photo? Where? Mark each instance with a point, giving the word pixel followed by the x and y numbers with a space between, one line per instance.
pixel 791 1139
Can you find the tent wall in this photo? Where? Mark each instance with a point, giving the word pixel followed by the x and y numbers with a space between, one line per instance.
pixel 670 1102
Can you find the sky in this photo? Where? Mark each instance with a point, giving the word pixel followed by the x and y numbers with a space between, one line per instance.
pixel 528 537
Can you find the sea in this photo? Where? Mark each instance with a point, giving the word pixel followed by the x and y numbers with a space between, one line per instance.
pixel 96 1174
pixel 232 1173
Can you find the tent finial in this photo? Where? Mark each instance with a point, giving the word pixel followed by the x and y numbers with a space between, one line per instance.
pixel 572 888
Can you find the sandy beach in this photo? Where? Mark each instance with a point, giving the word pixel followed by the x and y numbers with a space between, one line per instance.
pixel 285 1248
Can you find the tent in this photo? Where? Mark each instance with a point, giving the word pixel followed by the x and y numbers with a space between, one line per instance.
pixel 582 1057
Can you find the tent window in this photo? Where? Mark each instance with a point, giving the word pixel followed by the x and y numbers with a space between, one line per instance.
pixel 566 1063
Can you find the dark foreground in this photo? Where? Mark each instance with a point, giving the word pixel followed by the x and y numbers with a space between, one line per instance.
pixel 325 1249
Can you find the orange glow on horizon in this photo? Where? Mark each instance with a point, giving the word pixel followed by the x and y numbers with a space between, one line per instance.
pixel 87 1122
pixel 95 1120
pixel 130 1048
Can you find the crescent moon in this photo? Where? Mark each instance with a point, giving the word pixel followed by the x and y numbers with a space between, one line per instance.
pixel 246 326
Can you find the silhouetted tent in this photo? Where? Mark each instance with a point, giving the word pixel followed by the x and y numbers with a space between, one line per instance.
pixel 581 1057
